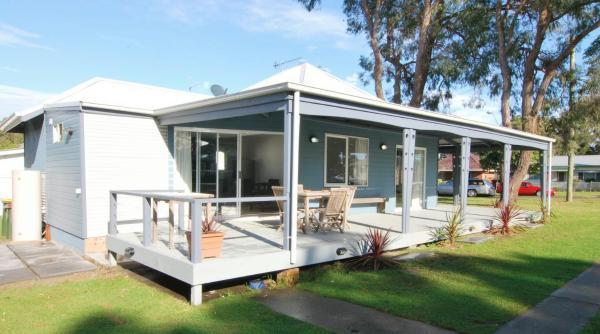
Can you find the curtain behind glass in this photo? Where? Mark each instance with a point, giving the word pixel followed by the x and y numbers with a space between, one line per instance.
pixel 183 158
pixel 358 161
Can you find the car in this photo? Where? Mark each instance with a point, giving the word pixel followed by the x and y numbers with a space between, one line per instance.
pixel 527 189
pixel 476 187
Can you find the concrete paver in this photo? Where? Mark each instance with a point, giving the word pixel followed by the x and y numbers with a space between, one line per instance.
pixel 340 316
pixel 567 310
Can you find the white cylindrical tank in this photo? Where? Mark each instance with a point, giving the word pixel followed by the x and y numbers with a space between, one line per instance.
pixel 26 205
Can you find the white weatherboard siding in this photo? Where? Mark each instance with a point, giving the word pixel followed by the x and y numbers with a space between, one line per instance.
pixel 63 178
pixel 122 152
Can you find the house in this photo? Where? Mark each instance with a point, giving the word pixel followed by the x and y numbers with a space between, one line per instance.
pixel 9 160
pixel 446 163
pixel 587 168
pixel 117 153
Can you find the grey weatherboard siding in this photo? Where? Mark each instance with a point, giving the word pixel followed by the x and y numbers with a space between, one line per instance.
pixel 311 162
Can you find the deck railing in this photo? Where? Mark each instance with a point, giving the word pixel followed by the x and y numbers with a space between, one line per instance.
pixel 150 199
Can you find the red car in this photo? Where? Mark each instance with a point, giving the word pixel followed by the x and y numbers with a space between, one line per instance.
pixel 527 189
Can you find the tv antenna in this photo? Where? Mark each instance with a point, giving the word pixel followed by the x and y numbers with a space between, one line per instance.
pixel 276 65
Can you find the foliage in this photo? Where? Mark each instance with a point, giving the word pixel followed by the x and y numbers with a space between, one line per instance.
pixel 492 160
pixel 478 288
pixel 209 223
pixel 546 216
pixel 10 140
pixel 372 246
pixel 113 302
pixel 451 230
pixel 507 216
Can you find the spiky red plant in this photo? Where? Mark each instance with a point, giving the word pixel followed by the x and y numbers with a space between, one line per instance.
pixel 506 215
pixel 373 244
pixel 209 224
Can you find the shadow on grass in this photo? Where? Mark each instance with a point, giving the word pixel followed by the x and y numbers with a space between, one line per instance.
pixel 466 293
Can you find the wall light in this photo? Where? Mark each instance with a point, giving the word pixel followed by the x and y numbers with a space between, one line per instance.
pixel 383 147
pixel 314 139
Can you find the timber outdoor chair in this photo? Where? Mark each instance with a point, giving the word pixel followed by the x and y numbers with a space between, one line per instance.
pixel 332 215
pixel 351 192
pixel 278 191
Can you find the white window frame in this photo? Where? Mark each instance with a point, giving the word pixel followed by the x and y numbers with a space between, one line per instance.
pixel 345 183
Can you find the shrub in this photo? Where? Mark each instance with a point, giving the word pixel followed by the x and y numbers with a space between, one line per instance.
pixel 209 223
pixel 451 230
pixel 507 215
pixel 372 247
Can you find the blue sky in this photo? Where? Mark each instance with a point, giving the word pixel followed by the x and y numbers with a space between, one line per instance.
pixel 47 47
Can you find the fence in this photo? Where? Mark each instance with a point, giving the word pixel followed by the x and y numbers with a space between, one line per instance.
pixel 579 186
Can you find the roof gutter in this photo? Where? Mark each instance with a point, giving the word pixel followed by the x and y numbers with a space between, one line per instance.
pixel 289 86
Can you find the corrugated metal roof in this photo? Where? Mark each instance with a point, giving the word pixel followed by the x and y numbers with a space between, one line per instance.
pixel 313 76
pixel 580 160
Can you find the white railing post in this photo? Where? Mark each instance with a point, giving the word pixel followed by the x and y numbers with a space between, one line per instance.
pixel 147 222
pixel 287 163
pixel 549 198
pixel 112 224
pixel 196 231
pixel 181 216
pixel 295 156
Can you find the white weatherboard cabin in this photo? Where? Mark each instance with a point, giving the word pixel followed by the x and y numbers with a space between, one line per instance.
pixel 126 164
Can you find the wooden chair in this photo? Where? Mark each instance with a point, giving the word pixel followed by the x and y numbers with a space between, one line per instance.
pixel 278 191
pixel 332 215
pixel 351 192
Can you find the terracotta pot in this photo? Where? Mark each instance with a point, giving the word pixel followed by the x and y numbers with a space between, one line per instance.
pixel 212 242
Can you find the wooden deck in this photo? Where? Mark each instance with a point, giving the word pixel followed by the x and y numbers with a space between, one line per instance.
pixel 252 244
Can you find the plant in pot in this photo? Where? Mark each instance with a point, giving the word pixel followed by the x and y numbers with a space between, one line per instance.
pixel 212 238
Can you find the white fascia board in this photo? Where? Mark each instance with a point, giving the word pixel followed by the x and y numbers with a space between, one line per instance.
pixel 118 108
pixel 10 123
pixel 289 86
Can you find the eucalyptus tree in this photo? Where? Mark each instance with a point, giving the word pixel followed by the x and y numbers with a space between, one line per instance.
pixel 544 33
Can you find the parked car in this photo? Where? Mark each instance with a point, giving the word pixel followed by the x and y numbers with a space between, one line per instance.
pixel 476 187
pixel 527 189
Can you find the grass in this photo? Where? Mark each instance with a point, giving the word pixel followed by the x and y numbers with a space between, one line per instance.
pixel 120 304
pixel 477 288
pixel 593 327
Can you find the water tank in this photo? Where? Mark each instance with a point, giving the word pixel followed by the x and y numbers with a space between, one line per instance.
pixel 26 205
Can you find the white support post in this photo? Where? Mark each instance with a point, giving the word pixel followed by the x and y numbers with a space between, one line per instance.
pixel 456 176
pixel 181 216
pixel 295 154
pixel 549 198
pixel 196 232
pixel 112 225
pixel 147 216
pixel 287 163
pixel 196 294
pixel 544 178
pixel 408 163
pixel 506 174
pixel 465 157
pixel 154 219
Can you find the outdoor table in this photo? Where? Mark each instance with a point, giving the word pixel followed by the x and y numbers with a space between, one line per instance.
pixel 306 195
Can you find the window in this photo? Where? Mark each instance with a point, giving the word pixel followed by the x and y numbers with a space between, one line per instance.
pixel 346 160
pixel 57 133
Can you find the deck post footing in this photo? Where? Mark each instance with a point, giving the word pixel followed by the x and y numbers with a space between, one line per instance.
pixel 196 294
pixel 111 258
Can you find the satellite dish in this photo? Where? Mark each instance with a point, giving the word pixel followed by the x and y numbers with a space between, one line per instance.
pixel 218 90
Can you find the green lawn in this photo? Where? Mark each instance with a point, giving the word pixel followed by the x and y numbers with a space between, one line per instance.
pixel 119 304
pixel 593 327
pixel 477 288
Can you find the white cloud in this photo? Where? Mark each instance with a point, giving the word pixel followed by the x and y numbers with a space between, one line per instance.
pixel 9 69
pixel 15 99
pixel 287 18
pixel 13 36
pixel 353 78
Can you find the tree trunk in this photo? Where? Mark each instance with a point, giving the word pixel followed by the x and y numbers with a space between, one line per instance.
pixel 424 51
pixel 373 22
pixel 571 136
pixel 504 67
pixel 570 177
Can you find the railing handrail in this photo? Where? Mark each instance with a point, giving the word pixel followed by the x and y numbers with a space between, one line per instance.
pixel 167 195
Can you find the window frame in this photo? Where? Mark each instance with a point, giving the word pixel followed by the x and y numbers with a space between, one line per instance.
pixel 347 139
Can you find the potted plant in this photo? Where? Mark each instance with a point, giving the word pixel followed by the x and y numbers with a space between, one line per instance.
pixel 212 239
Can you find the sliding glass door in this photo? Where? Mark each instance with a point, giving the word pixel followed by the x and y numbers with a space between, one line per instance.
pixel 230 164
